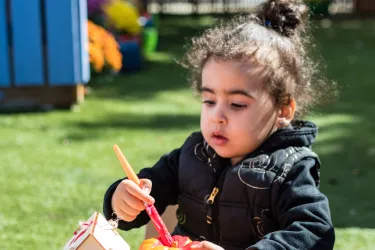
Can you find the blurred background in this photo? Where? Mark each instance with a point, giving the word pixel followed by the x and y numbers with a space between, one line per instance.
pixel 77 77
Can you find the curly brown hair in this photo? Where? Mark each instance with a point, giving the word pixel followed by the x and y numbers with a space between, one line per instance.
pixel 276 38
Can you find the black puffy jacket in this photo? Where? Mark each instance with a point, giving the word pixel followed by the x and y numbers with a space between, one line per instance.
pixel 269 200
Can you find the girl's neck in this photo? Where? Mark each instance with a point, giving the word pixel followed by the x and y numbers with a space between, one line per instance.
pixel 235 160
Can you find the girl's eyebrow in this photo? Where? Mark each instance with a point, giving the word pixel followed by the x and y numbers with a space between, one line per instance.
pixel 229 92
pixel 205 89
pixel 240 92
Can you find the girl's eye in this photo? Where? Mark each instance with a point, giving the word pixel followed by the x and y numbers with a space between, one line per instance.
pixel 238 106
pixel 209 102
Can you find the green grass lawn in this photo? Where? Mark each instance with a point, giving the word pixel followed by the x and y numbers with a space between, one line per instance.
pixel 56 166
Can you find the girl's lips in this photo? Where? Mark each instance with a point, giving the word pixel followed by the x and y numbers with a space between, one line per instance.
pixel 219 140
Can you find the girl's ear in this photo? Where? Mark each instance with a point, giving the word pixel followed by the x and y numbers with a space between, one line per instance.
pixel 286 114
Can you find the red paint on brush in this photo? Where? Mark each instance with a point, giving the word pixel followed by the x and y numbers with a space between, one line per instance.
pixel 165 237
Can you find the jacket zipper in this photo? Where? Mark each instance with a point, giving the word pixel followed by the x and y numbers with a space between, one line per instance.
pixel 212 216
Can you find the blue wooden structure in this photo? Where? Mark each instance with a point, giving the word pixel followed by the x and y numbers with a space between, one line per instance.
pixel 43 52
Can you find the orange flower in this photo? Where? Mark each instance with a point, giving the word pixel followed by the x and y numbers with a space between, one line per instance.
pixel 111 53
pixel 103 49
pixel 96 57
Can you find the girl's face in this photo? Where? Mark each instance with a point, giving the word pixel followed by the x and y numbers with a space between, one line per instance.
pixel 238 113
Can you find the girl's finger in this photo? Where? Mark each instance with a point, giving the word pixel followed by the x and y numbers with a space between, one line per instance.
pixel 136 191
pixel 133 201
pixel 206 245
pixel 129 209
pixel 146 185
pixel 124 216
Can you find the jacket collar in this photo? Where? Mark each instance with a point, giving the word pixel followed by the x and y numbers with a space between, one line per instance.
pixel 298 134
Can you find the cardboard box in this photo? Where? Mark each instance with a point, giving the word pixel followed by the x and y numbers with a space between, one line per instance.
pixel 96 234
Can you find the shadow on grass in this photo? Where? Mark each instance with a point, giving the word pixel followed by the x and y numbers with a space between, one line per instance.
pixel 143 122
pixel 142 85
pixel 163 122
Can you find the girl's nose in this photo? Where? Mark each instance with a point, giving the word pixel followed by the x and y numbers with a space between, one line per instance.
pixel 219 116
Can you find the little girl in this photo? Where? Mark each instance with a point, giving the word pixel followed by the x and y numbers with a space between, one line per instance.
pixel 248 179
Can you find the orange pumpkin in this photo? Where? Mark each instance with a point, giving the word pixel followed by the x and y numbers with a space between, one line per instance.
pixel 179 243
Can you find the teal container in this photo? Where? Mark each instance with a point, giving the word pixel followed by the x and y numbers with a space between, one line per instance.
pixel 150 39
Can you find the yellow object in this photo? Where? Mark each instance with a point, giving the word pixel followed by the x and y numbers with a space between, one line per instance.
pixel 122 16
pixel 213 194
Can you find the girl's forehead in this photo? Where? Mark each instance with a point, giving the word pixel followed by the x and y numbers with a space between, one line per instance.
pixel 232 73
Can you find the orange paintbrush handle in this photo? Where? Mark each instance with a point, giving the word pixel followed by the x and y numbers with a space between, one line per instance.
pixel 126 166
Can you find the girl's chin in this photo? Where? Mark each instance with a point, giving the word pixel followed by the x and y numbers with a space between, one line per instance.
pixel 228 155
pixel 223 153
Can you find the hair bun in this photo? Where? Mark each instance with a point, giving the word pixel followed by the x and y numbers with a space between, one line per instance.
pixel 284 16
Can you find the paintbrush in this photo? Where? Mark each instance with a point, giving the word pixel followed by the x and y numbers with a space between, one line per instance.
pixel 165 237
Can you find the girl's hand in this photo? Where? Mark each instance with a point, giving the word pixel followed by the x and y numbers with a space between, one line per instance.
pixel 206 245
pixel 128 198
